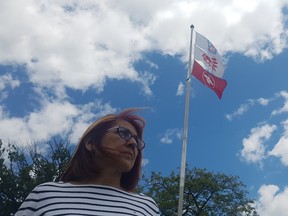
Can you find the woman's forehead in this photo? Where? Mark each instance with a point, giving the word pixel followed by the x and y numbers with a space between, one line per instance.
pixel 125 124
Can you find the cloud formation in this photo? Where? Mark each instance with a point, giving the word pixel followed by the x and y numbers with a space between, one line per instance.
pixel 272 201
pixel 246 106
pixel 281 148
pixel 170 135
pixel 80 45
pixel 51 119
pixel 284 109
pixel 254 148
pixel 180 89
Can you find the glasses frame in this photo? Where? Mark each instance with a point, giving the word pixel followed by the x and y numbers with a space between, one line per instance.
pixel 136 138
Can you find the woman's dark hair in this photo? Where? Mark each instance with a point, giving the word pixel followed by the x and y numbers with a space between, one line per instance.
pixel 81 165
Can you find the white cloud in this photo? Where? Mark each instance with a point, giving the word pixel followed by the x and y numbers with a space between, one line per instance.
pixel 57 118
pixel 180 89
pixel 6 81
pixel 281 148
pixel 170 135
pixel 52 119
pixel 81 44
pixel 272 201
pixel 263 101
pixel 251 24
pixel 283 109
pixel 254 149
pixel 145 162
pixel 243 108
pixel 240 111
pixel 146 79
pixel 79 48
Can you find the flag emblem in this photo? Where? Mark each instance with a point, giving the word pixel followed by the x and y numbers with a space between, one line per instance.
pixel 208 80
pixel 211 62
pixel 211 49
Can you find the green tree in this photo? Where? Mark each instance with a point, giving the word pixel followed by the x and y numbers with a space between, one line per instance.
pixel 21 169
pixel 205 194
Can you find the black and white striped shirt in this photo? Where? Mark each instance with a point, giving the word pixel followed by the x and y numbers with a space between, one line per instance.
pixel 59 198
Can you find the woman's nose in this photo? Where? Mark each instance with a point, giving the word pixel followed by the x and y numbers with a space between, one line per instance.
pixel 132 143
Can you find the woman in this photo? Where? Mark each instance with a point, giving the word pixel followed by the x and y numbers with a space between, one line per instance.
pixel 101 176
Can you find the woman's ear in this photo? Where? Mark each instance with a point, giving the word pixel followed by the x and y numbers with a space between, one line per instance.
pixel 89 146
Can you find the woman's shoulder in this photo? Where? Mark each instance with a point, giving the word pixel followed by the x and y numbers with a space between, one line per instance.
pixel 147 198
pixel 49 186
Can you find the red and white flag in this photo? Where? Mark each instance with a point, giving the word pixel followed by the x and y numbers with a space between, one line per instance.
pixel 208 54
pixel 208 66
pixel 213 82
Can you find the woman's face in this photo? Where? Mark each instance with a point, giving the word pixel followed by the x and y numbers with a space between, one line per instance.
pixel 120 152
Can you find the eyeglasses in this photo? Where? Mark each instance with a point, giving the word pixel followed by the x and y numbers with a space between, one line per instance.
pixel 126 134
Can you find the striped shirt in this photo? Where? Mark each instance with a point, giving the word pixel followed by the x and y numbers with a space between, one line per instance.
pixel 59 198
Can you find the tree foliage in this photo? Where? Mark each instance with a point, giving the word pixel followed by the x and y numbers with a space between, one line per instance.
pixel 205 194
pixel 21 169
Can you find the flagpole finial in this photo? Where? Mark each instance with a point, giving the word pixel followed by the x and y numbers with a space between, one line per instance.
pixel 192 26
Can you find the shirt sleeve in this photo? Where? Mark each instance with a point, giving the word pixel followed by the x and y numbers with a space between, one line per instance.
pixel 30 204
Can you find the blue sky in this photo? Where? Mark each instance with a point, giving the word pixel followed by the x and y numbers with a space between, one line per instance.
pixel 65 63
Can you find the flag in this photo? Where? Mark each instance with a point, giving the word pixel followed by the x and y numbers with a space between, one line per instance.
pixel 213 82
pixel 208 54
pixel 208 66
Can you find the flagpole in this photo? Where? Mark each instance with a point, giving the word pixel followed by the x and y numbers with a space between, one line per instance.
pixel 185 131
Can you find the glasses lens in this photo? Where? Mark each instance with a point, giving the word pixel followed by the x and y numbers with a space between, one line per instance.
pixel 140 144
pixel 124 133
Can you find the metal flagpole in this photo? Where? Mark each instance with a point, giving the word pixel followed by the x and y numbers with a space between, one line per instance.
pixel 185 132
